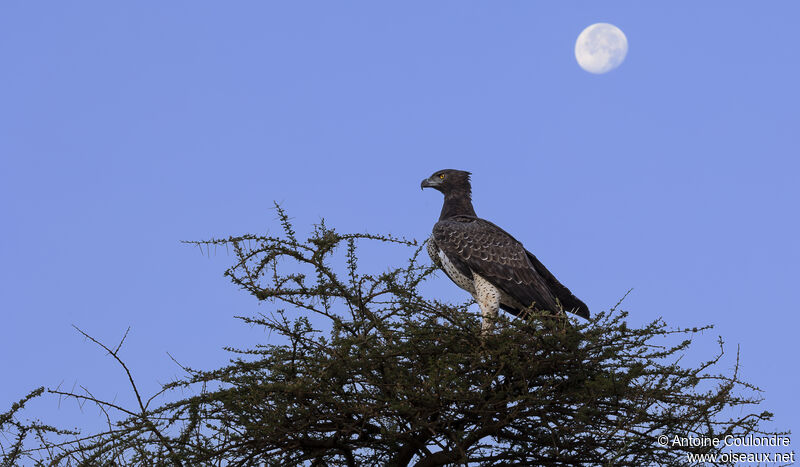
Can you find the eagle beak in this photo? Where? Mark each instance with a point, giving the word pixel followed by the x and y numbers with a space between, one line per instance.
pixel 427 183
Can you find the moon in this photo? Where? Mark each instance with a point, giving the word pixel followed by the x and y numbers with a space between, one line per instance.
pixel 600 48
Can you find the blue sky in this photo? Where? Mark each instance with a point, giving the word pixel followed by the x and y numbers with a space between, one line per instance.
pixel 127 127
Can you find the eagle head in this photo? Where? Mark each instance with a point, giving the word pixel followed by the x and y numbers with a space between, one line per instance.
pixel 448 181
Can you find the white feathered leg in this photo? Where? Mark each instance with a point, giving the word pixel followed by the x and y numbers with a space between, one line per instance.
pixel 488 298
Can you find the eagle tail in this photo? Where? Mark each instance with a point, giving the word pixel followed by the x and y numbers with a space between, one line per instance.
pixel 569 302
pixel 572 303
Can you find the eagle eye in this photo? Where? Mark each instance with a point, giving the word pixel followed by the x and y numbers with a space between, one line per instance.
pixel 441 176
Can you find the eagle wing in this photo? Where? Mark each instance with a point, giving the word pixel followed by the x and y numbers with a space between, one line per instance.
pixel 481 247
pixel 568 301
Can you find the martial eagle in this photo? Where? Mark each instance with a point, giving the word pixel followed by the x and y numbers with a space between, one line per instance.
pixel 487 262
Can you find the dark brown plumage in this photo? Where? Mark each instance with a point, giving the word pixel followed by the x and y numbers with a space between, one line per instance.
pixel 467 247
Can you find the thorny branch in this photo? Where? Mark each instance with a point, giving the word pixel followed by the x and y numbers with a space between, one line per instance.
pixel 366 369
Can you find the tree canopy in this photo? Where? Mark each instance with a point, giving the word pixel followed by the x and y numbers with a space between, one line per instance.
pixel 365 369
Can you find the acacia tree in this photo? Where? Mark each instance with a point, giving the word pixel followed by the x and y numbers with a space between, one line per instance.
pixel 391 377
